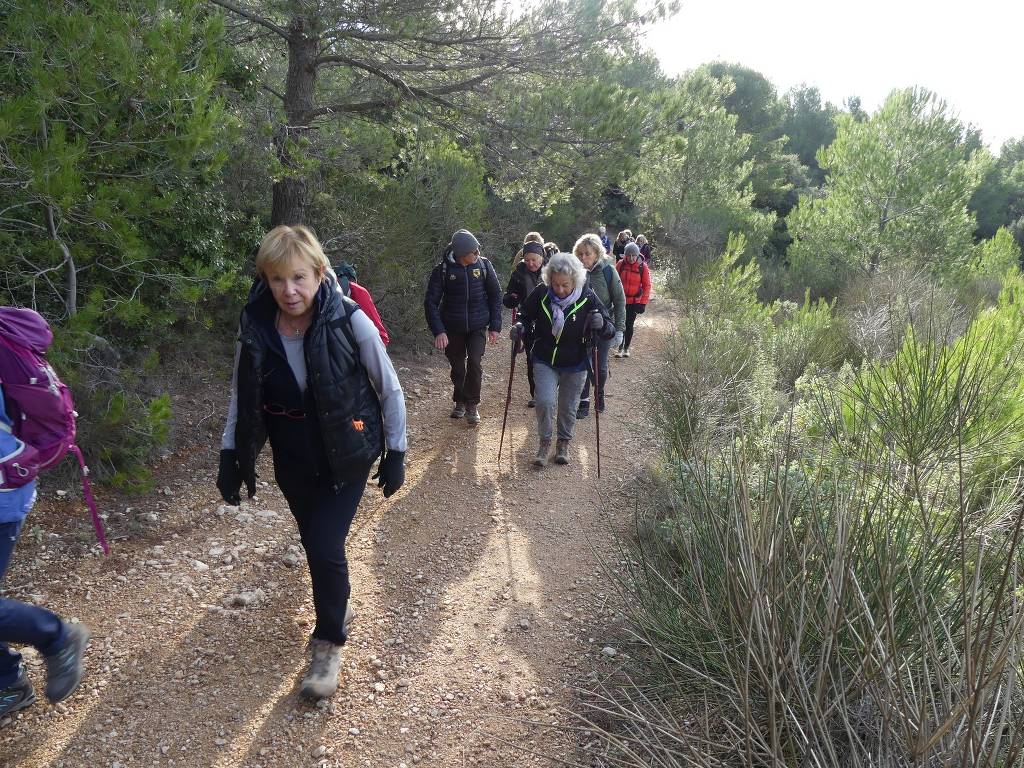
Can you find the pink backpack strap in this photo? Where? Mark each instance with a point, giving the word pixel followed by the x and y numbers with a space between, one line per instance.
pixel 90 501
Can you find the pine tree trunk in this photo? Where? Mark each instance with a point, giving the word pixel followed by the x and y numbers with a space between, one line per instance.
pixel 290 191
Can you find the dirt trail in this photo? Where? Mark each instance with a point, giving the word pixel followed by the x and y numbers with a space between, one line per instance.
pixel 479 595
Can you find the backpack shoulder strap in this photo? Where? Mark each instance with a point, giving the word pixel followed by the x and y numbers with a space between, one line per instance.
pixel 344 324
pixel 608 271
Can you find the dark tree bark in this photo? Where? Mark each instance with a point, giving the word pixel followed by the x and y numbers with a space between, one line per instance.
pixel 289 206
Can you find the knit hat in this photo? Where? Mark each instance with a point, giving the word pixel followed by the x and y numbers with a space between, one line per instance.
pixel 632 249
pixel 463 242
pixel 535 248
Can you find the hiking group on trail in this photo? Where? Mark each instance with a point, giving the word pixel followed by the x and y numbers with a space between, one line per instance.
pixel 312 376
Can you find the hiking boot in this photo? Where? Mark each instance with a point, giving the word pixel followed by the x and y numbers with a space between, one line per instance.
pixel 321 681
pixel 472 415
pixel 531 403
pixel 17 695
pixel 346 623
pixel 543 448
pixel 64 667
pixel 618 352
pixel 583 410
pixel 599 405
pixel 562 452
pixel 625 353
pixel 458 411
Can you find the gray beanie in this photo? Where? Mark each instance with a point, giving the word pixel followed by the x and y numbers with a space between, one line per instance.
pixel 463 242
pixel 632 249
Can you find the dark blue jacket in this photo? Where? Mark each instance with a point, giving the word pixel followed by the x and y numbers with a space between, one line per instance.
pixel 463 299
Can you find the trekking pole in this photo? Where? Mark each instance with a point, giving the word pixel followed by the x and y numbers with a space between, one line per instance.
pixel 508 398
pixel 597 411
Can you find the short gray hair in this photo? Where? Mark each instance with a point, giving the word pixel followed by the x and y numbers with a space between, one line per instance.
pixel 563 263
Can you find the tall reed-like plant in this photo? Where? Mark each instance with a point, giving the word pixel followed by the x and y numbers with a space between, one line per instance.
pixel 850 598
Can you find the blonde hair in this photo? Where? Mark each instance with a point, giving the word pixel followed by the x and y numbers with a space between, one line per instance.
pixel 628 232
pixel 533 237
pixel 283 243
pixel 591 241
pixel 641 239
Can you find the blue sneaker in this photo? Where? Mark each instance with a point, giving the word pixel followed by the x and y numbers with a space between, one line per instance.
pixel 17 695
pixel 64 667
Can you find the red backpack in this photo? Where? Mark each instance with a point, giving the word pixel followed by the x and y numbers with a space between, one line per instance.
pixel 39 405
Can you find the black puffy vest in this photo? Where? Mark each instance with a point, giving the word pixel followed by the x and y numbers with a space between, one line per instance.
pixel 342 432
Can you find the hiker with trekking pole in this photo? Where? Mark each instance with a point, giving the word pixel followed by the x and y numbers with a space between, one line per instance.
pixel 560 316
pixel 311 374
pixel 603 279
pixel 524 280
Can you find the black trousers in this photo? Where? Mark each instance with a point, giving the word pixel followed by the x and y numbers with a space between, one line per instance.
pixel 324 518
pixel 465 353
pixel 632 310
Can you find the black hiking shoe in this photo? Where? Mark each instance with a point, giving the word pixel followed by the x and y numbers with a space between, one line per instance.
pixel 17 695
pixel 583 410
pixel 472 415
pixel 531 403
pixel 458 411
pixel 64 667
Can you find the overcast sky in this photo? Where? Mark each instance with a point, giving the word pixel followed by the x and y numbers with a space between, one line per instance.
pixel 967 52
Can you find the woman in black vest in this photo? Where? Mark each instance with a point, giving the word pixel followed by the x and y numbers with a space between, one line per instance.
pixel 312 376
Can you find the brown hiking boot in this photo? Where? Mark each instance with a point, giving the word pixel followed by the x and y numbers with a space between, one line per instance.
pixel 562 452
pixel 321 681
pixel 543 448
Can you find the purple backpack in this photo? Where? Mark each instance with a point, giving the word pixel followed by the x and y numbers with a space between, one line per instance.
pixel 39 405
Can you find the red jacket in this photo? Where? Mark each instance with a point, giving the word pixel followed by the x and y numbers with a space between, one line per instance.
pixel 636 281
pixel 362 297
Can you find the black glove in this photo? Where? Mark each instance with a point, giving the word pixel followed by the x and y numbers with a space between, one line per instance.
pixel 229 477
pixel 596 321
pixel 510 300
pixel 391 472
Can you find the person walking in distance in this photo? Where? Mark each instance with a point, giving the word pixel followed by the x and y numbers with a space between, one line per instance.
pixel 606 242
pixel 311 374
pixel 561 318
pixel 636 284
pixel 603 280
pixel 531 237
pixel 463 307
pixel 524 281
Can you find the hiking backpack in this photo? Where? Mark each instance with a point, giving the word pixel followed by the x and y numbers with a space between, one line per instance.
pixel 39 405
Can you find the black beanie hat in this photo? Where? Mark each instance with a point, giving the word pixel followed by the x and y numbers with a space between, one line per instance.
pixel 532 247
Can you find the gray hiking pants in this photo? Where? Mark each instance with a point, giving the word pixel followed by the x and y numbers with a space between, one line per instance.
pixel 561 390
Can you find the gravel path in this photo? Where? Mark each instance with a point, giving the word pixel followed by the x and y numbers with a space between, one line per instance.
pixel 480 596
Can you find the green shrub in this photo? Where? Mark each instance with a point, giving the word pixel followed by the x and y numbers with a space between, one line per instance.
pixel 805 335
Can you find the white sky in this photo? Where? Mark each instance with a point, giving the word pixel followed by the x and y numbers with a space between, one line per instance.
pixel 969 53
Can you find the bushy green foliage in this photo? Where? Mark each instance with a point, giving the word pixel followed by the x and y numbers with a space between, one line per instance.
pixel 108 114
pixel 693 177
pixel 817 590
pixel 897 191
pixel 808 335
